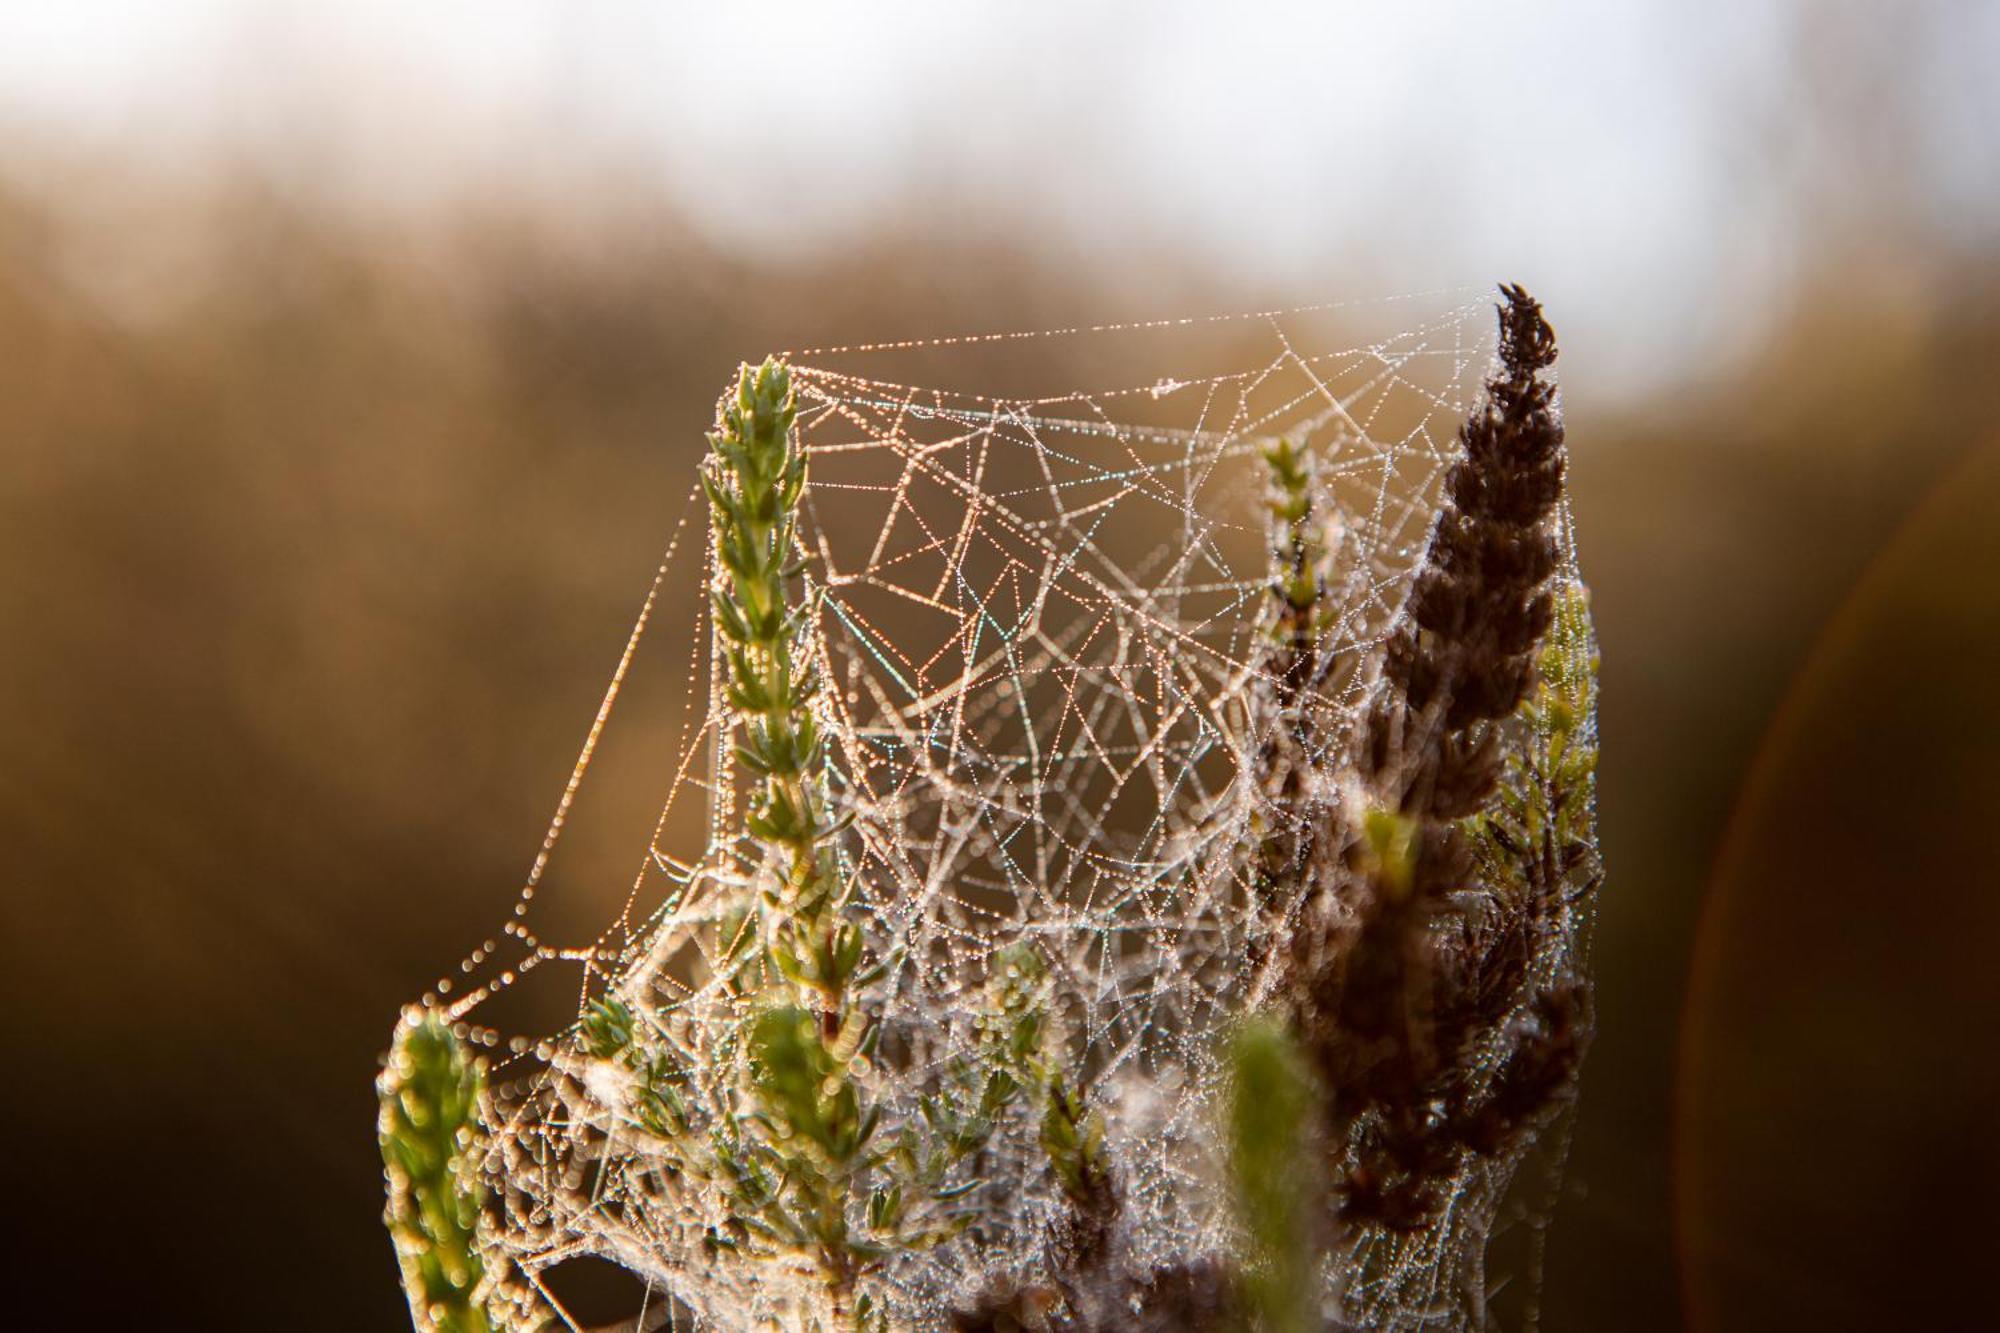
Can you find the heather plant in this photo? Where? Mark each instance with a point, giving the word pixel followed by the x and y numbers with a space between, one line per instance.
pixel 431 1089
pixel 1271 1064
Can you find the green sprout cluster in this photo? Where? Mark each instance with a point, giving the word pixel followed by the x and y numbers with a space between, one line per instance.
pixel 797 1162
pixel 1020 1053
pixel 1538 831
pixel 1296 577
pixel 429 1129
pixel 659 1101
pixel 754 480
pixel 1298 618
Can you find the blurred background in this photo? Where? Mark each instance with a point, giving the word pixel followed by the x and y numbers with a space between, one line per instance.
pixel 354 361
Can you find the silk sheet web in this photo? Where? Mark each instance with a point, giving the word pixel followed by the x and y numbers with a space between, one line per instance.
pixel 1038 617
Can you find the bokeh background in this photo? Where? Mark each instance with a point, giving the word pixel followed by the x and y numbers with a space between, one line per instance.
pixel 354 358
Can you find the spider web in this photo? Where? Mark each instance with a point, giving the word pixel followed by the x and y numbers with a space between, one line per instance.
pixel 1040 620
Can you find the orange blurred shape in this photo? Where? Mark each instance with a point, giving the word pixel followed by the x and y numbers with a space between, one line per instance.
pixel 1837 1161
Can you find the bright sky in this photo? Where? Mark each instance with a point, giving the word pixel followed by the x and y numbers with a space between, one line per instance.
pixel 1617 155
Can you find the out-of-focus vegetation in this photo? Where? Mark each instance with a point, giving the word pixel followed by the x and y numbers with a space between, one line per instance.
pixel 318 538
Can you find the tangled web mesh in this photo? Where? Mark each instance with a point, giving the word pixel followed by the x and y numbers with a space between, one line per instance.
pixel 1041 621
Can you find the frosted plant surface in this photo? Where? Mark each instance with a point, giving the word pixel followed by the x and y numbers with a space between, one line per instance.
pixel 1041 629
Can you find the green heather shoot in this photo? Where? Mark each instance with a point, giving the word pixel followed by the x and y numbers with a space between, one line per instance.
pixel 429 1128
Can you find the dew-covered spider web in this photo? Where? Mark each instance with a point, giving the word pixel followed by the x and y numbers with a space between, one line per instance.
pixel 1040 617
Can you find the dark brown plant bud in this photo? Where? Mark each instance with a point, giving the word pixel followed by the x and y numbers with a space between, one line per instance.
pixel 1404 1002
pixel 1460 656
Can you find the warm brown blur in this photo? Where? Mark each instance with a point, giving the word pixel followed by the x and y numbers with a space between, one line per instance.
pixel 312 570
